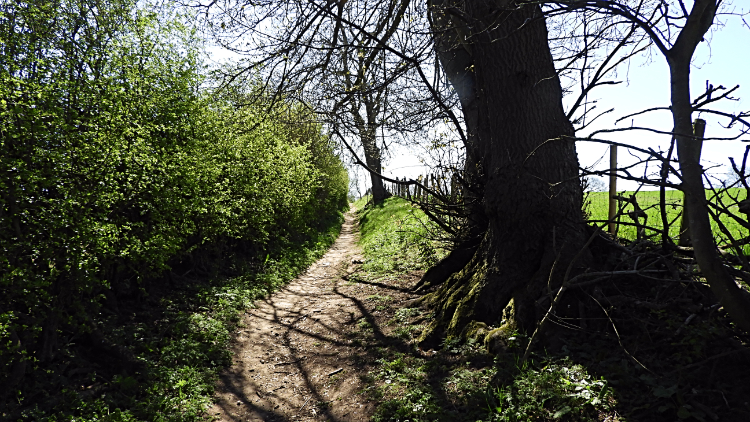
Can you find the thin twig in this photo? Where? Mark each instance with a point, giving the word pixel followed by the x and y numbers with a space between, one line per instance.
pixel 619 340
pixel 303 406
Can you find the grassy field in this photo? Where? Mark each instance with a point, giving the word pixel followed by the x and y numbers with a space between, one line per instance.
pixel 597 206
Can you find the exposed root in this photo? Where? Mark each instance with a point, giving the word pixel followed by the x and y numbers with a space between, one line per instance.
pixel 449 265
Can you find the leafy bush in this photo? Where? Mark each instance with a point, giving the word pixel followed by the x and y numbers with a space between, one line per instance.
pixel 117 170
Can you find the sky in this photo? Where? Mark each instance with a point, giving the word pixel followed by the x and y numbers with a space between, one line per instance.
pixel 723 59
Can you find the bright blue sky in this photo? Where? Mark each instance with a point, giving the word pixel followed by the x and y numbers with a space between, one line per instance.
pixel 723 60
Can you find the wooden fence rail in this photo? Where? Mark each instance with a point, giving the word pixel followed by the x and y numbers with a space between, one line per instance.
pixel 442 184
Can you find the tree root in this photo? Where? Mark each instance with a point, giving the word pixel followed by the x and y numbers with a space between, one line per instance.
pixel 446 267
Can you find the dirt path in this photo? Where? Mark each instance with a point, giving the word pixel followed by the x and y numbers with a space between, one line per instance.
pixel 300 355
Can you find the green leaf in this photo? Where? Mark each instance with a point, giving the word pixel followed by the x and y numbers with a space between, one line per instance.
pixel 565 410
pixel 661 391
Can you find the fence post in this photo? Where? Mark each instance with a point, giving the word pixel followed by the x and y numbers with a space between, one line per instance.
pixel 612 189
pixel 435 185
pixel 699 130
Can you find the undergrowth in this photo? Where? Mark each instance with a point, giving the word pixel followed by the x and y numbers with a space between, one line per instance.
pixel 459 382
pixel 640 347
pixel 180 342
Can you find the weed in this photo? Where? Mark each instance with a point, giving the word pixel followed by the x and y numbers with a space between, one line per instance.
pixel 404 333
pixel 364 324
pixel 404 393
pixel 379 298
pixel 559 389
pixel 403 315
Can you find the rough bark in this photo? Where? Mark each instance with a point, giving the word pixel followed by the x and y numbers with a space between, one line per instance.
pixel 442 270
pixel 367 100
pixel 373 160
pixel 531 197
pixel 367 133
pixel 456 59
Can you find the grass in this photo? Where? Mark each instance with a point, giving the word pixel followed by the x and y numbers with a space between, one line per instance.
pixel 597 209
pixel 558 390
pixel 394 237
pixel 679 360
pixel 463 383
pixel 181 342
pixel 460 382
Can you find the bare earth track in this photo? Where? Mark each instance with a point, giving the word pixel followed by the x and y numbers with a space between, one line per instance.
pixel 297 356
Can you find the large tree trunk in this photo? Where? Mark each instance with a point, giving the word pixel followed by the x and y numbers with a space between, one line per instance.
pixel 531 197
pixel 367 128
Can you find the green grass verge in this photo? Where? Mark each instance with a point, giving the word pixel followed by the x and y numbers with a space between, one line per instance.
pixel 449 388
pixel 597 209
pixel 395 237
pixel 182 351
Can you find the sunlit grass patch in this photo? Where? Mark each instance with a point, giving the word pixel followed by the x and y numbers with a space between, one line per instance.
pixel 394 237
pixel 597 209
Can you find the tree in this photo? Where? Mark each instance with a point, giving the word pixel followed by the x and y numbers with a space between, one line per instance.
pixel 499 62
pixel 340 59
pixel 524 231
pixel 676 37
pixel 524 198
pixel 357 75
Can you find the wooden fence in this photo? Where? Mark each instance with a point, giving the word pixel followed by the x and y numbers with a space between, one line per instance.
pixel 446 187
pixel 618 202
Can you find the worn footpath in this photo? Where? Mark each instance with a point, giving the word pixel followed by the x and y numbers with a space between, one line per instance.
pixel 301 355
